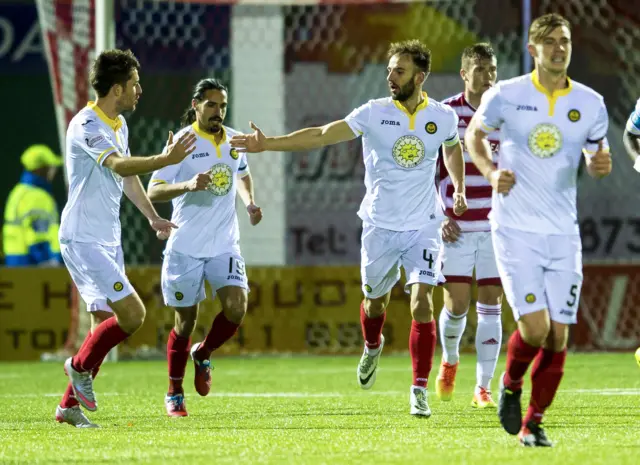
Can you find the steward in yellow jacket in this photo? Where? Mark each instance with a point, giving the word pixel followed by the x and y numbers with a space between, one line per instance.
pixel 31 219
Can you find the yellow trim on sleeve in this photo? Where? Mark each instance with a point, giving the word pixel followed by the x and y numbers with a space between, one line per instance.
pixel 157 181
pixel 551 96
pixel 412 117
pixel 452 142
pixel 211 138
pixel 486 128
pixel 110 150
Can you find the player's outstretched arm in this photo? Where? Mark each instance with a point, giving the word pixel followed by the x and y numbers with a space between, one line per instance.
pixel 161 191
pixel 245 191
pixel 175 153
pixel 298 141
pixel 135 192
pixel 479 150
pixel 454 162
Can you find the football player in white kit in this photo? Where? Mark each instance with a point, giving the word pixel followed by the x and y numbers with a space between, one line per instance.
pixel 401 216
pixel 468 246
pixel 546 122
pixel 99 169
pixel 205 246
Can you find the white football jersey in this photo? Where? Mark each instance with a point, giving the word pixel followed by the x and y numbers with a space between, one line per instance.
pixel 400 154
pixel 207 221
pixel 92 211
pixel 542 137
pixel 633 123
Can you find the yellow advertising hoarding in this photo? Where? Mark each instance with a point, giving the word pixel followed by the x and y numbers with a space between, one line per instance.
pixel 293 309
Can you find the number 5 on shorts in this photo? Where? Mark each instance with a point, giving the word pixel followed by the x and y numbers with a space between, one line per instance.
pixel 237 264
pixel 574 295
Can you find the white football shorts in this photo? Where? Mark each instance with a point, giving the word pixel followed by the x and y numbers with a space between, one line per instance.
pixel 383 252
pixel 183 276
pixel 540 271
pixel 98 273
pixel 472 250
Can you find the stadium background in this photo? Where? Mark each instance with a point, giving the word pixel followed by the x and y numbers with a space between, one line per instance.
pixel 288 66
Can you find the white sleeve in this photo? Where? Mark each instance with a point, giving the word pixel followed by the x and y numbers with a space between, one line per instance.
pixel 166 175
pixel 452 135
pixel 633 123
pixel 94 140
pixel 358 119
pixel 489 113
pixel 598 131
pixel 243 166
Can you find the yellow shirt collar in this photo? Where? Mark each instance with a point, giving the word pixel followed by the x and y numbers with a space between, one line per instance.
pixel 556 93
pixel 412 117
pixel 114 124
pixel 209 137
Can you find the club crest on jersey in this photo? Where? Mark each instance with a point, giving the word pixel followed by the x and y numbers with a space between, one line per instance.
pixel 530 298
pixel 408 151
pixel 431 127
pixel 234 154
pixel 221 179
pixel 545 140
pixel 367 288
pixel 118 286
pixel 179 296
pixel 574 115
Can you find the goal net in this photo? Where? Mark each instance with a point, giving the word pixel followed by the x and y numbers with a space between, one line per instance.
pixel 290 64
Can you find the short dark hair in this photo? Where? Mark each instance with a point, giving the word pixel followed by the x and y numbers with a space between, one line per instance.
pixel 543 26
pixel 110 68
pixel 199 90
pixel 479 51
pixel 419 52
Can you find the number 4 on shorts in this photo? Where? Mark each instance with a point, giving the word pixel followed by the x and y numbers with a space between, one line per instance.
pixel 428 258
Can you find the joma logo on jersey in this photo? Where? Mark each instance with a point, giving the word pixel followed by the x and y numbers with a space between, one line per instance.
pixel 526 108
pixel 199 155
pixel 389 122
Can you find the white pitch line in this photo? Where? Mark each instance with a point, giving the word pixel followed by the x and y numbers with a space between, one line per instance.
pixel 600 392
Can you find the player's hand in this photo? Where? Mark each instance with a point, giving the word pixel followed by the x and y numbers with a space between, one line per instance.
pixel 199 182
pixel 251 143
pixel 255 214
pixel 459 203
pixel 162 227
pixel 600 163
pixel 450 230
pixel 502 181
pixel 180 149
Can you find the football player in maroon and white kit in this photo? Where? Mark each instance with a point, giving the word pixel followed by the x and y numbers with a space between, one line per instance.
pixel 468 246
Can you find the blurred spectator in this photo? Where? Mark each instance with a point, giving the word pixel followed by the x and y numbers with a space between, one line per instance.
pixel 31 220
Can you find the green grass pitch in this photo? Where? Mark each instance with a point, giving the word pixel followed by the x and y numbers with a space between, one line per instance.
pixel 309 410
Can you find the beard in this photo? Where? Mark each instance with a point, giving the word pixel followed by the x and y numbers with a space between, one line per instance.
pixel 213 125
pixel 405 91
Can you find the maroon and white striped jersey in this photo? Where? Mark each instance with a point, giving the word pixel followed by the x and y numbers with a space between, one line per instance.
pixel 478 189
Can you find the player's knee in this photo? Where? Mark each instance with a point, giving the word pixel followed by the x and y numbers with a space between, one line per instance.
pixel 185 321
pixel 132 320
pixel 375 307
pixel 422 308
pixel 235 307
pixel 535 334
pixel 557 338
pixel 490 295
pixel 458 306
